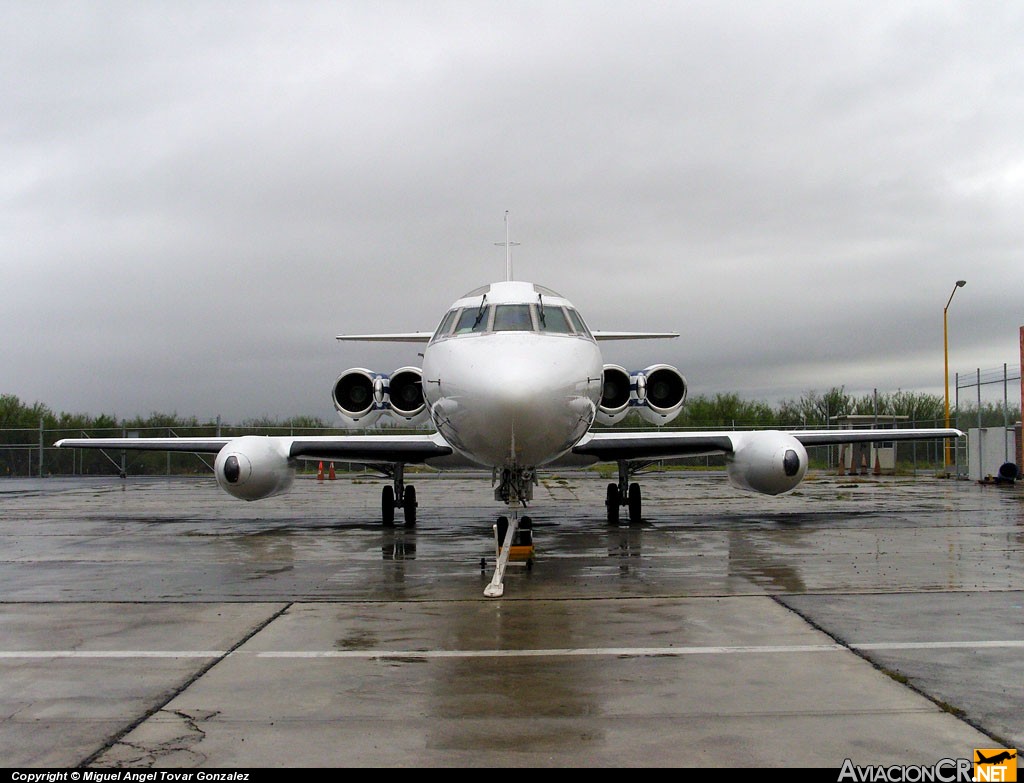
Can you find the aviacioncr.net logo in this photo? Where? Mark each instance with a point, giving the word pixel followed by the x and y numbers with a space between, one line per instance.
pixel 995 765
pixel 942 771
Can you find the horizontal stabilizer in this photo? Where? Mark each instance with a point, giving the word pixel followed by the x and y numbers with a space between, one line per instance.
pixel 634 335
pixel 398 337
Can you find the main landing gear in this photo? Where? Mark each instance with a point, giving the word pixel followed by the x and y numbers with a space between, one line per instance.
pixel 625 494
pixel 398 496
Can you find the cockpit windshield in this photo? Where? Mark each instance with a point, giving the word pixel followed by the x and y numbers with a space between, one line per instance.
pixel 552 319
pixel 473 319
pixel 544 318
pixel 513 318
pixel 577 323
pixel 446 324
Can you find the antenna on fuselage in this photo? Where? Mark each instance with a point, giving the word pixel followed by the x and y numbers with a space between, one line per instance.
pixel 508 251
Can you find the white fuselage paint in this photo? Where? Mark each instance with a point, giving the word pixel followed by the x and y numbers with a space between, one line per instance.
pixel 512 398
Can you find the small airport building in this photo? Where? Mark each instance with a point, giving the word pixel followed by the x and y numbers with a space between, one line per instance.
pixel 877 457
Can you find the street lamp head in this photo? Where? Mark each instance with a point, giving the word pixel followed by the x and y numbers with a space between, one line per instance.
pixel 959 284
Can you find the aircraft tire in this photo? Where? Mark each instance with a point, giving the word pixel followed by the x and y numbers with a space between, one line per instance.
pixel 635 504
pixel 502 530
pixel 526 531
pixel 387 506
pixel 612 502
pixel 409 506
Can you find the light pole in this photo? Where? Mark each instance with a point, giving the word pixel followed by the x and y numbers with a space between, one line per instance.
pixel 945 350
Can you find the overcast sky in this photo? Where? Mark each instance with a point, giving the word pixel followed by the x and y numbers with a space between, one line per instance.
pixel 196 198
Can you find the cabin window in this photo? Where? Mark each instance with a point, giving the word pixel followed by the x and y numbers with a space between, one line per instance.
pixel 473 319
pixel 552 319
pixel 513 318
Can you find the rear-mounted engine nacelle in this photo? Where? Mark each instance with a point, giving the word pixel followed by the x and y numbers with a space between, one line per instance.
pixel 405 395
pixel 657 394
pixel 254 467
pixel 615 395
pixel 358 396
pixel 768 462
pixel 659 391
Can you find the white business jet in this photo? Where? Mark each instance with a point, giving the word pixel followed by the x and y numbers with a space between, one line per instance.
pixel 512 381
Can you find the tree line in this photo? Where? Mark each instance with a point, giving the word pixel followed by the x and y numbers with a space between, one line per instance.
pixel 25 427
pixel 23 424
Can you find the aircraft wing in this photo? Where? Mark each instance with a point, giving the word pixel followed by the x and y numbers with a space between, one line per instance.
pixel 371 449
pixel 398 337
pixel 613 446
pixel 836 437
pixel 365 449
pixel 189 445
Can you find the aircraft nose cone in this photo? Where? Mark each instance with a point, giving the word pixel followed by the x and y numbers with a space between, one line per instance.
pixel 516 393
pixel 525 400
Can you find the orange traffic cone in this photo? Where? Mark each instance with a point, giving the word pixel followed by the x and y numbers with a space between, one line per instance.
pixel 320 472
pixel 330 473
pixel 878 465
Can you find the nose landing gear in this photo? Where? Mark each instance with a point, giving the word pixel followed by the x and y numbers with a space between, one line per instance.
pixel 513 538
pixel 513 545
